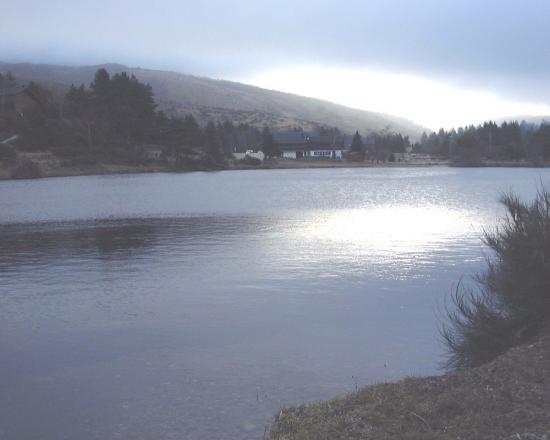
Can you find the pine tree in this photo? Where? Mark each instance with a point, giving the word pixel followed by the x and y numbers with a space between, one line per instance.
pixel 269 146
pixel 212 143
pixel 541 140
pixel 101 93
pixel 77 103
pixel 357 143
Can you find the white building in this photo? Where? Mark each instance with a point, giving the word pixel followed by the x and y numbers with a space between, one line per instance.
pixel 324 154
pixel 295 145
pixel 250 153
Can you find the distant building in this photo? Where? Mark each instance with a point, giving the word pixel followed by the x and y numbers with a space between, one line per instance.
pixel 250 153
pixel 18 99
pixel 291 144
pixel 400 157
pixel 420 157
pixel 296 145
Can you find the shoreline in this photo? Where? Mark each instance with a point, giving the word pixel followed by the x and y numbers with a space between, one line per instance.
pixel 507 398
pixel 47 169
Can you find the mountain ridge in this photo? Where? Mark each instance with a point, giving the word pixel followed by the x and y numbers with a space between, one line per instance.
pixel 219 99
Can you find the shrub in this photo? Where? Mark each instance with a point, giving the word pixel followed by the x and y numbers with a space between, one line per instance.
pixel 512 299
pixel 7 153
pixel 252 161
pixel 27 169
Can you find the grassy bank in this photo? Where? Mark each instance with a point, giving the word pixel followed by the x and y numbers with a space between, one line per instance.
pixel 508 398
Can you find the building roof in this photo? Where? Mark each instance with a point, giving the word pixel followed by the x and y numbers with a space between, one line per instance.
pixel 289 138
pixel 298 140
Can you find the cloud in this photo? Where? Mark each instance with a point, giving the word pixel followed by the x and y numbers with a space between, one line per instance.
pixel 430 103
pixel 498 46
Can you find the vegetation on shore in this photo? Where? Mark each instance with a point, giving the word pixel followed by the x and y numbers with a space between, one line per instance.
pixel 510 302
pixel 113 125
pixel 113 122
pixel 508 398
pixel 498 337
pixel 516 142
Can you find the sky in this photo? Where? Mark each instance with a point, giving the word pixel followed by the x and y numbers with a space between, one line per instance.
pixel 440 63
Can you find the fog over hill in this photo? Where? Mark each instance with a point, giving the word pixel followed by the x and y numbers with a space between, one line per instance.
pixel 529 119
pixel 210 99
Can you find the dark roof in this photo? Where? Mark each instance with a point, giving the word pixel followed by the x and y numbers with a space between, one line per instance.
pixel 298 140
pixel 295 138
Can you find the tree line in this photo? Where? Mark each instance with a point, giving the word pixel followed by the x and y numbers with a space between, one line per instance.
pixel 116 116
pixel 508 141
pixel 380 147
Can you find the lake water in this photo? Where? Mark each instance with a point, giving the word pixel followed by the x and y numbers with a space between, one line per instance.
pixel 194 306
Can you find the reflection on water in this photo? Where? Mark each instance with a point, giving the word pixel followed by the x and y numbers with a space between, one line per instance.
pixel 393 229
pixel 194 306
pixel 109 239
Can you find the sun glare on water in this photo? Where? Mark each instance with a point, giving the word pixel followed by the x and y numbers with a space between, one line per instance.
pixel 391 229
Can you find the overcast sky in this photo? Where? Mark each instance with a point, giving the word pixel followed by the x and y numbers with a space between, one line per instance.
pixel 437 62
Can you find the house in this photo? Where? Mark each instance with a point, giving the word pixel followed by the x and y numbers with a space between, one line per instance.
pixel 295 145
pixel 325 146
pixel 291 143
pixel 19 99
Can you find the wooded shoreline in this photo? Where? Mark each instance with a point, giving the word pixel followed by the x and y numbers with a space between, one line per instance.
pixel 48 168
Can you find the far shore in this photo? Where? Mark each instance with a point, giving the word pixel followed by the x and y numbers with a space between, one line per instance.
pixel 51 168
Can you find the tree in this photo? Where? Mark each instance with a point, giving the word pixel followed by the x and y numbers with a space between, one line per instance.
pixel 77 103
pixel 269 146
pixel 513 299
pixel 191 132
pixel 357 143
pixel 7 115
pixel 132 106
pixel 101 92
pixel 467 149
pixel 124 106
pixel 212 145
pixel 541 139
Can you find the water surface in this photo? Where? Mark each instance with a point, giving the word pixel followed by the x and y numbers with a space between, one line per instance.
pixel 195 305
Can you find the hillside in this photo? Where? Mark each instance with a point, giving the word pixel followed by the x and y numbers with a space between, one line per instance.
pixel 209 99
pixel 508 398
pixel 529 119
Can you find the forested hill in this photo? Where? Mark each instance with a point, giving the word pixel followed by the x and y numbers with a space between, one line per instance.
pixel 217 100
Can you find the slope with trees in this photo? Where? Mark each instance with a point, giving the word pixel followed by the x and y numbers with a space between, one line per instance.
pixel 207 99
pixel 113 121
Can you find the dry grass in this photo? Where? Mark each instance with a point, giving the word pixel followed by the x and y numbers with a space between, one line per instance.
pixel 508 398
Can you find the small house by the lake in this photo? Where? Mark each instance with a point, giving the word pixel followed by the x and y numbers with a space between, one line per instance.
pixel 295 145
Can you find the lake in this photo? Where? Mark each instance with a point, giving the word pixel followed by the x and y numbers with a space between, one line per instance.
pixel 194 306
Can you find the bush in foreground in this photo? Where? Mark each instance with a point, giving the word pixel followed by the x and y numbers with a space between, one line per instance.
pixel 512 302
